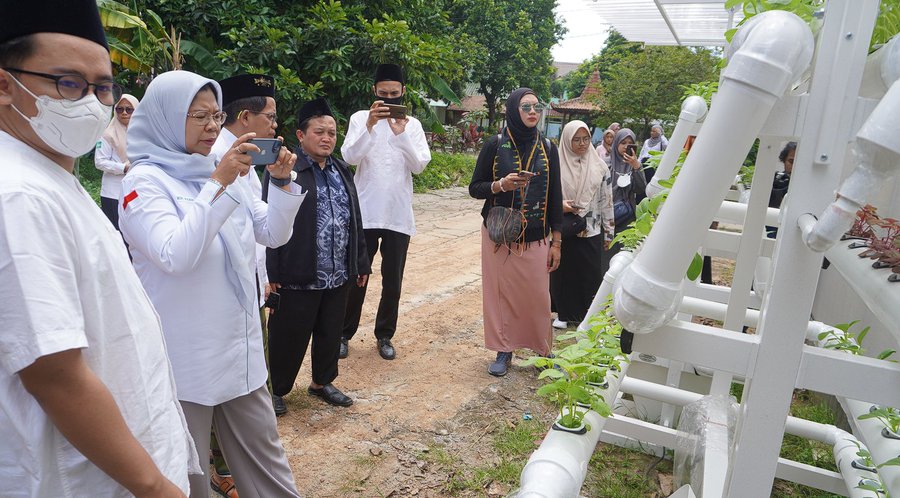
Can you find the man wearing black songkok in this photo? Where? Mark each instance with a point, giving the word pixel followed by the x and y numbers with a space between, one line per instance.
pixel 88 405
pixel 388 151
pixel 315 270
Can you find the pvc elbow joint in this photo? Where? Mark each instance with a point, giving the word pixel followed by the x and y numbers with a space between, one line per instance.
pixel 770 52
pixel 643 303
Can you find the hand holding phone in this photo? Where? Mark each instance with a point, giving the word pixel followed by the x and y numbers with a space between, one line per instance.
pixel 526 174
pixel 268 151
pixel 631 149
pixel 396 111
pixel 273 301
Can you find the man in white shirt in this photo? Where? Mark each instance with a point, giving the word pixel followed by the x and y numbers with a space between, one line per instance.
pixel 387 151
pixel 249 103
pixel 87 395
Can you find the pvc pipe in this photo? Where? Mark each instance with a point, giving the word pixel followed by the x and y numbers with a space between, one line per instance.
pixel 558 467
pixel 769 52
pixel 844 445
pixel 881 448
pixel 736 212
pixel 882 70
pixel 714 310
pixel 761 275
pixel 616 264
pixel 693 110
pixel 878 153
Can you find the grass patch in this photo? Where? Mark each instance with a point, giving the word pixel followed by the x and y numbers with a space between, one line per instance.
pixel 807 406
pixel 621 472
pixel 445 170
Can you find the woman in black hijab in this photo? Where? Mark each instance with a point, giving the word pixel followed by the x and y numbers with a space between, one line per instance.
pixel 519 168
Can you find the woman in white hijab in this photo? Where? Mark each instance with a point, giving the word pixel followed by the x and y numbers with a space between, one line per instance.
pixel 193 231
pixel 587 192
pixel 657 141
pixel 111 158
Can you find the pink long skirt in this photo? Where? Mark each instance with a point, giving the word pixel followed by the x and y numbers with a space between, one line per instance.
pixel 515 296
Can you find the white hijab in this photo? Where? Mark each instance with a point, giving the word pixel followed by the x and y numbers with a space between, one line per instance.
pixel 581 175
pixel 156 138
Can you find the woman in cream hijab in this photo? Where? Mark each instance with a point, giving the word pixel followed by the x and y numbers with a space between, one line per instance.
pixel 111 159
pixel 587 192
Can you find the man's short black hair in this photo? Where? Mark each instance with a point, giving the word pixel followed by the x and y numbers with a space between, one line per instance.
pixel 17 50
pixel 234 109
pixel 782 156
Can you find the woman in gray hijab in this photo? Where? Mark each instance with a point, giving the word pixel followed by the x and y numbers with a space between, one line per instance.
pixel 627 178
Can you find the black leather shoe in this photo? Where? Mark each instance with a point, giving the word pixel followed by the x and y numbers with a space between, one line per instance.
pixel 345 349
pixel 386 349
pixel 331 395
pixel 278 405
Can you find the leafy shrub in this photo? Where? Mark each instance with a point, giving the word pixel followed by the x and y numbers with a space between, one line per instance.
pixel 445 170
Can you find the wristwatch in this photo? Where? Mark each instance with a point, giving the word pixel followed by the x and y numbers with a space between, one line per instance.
pixel 281 182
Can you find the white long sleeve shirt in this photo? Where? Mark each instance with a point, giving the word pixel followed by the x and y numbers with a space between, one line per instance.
pixel 385 165
pixel 223 143
pixel 107 160
pixel 66 283
pixel 215 345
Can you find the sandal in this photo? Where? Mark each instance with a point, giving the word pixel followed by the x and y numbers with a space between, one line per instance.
pixel 223 485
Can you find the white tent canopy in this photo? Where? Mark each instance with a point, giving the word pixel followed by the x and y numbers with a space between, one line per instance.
pixel 669 22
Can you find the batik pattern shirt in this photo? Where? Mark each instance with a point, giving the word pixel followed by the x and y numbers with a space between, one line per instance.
pixel 332 227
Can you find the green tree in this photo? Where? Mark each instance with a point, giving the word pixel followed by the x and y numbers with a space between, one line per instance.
pixel 617 48
pixel 326 48
pixel 512 41
pixel 647 86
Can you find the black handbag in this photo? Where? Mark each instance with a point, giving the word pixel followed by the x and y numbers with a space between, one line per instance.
pixel 572 225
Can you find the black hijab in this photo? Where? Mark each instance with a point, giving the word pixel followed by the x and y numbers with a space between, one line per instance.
pixel 521 133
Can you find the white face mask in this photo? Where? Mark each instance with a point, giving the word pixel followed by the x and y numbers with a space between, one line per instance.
pixel 69 128
pixel 623 181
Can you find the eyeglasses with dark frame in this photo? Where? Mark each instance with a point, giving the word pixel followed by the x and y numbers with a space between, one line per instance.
pixel 528 107
pixel 74 87
pixel 203 118
pixel 126 110
pixel 271 116
pixel 582 140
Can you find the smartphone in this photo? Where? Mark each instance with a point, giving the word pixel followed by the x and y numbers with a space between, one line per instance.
pixel 273 301
pixel 268 151
pixel 526 174
pixel 397 111
pixel 631 149
pixel 575 206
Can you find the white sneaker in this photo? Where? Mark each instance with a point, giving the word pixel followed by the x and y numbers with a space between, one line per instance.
pixel 559 324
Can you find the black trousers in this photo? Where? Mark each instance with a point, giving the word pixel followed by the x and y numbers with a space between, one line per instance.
pixel 110 208
pixel 394 246
pixel 301 315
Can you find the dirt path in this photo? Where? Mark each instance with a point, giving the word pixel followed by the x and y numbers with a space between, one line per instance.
pixel 437 391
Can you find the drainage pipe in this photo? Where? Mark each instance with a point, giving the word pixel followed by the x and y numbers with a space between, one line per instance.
pixel 767 54
pixel 877 151
pixel 693 110
pixel 736 212
pixel 558 467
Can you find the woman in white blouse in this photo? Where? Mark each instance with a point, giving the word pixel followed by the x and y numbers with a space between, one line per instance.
pixel 193 229
pixel 111 159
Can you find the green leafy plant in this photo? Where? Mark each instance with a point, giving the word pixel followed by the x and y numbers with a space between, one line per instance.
pixel 846 340
pixel 581 358
pixel 888 416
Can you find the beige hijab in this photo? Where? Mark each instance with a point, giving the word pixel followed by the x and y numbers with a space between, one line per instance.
pixel 581 175
pixel 115 132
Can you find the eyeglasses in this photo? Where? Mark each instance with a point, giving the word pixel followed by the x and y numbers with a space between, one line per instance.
pixel 126 110
pixel 74 87
pixel 528 107
pixel 203 118
pixel 582 140
pixel 271 116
